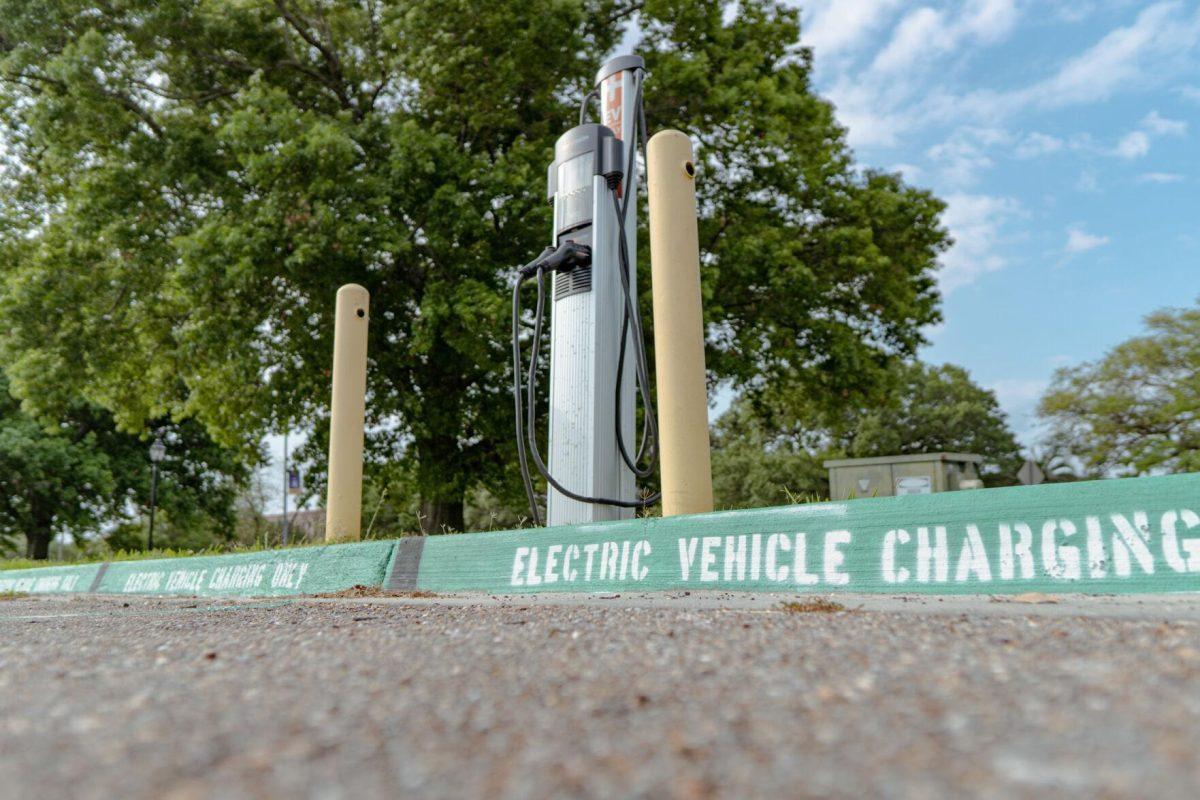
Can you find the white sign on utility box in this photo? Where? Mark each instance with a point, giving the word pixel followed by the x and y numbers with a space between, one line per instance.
pixel 914 484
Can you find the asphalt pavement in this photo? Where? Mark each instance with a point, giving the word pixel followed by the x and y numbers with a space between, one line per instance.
pixel 650 696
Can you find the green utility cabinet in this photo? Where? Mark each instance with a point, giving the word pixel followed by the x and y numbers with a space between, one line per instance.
pixel 887 476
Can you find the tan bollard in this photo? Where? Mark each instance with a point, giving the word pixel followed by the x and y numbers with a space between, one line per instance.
pixel 678 326
pixel 343 504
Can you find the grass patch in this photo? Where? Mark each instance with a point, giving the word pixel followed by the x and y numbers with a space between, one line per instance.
pixel 12 595
pixel 24 563
pixel 813 605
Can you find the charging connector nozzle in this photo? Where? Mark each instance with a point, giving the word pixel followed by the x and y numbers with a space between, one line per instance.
pixel 566 256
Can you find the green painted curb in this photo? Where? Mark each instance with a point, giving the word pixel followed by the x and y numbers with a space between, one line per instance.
pixel 1139 535
pixel 270 573
pixel 50 580
pixel 1117 536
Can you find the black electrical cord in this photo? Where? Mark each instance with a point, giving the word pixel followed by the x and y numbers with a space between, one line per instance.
pixel 649 438
pixel 632 319
pixel 531 431
pixel 583 107
pixel 516 347
pixel 523 274
pixel 526 418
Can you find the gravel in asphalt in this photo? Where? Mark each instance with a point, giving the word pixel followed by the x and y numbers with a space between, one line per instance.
pixel 690 697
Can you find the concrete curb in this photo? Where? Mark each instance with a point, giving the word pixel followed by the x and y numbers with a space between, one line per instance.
pixel 1130 536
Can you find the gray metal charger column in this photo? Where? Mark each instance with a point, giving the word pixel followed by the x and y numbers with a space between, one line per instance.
pixel 585 323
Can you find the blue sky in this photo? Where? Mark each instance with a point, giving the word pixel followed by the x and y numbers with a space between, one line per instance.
pixel 1063 138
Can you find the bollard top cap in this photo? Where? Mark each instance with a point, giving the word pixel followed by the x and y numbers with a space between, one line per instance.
pixel 353 289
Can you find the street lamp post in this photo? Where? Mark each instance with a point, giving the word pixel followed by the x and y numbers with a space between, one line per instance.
pixel 157 451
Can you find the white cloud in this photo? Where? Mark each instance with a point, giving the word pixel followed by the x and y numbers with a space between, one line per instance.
pixel 1118 58
pixel 883 104
pixel 838 26
pixel 926 33
pixel 1133 145
pixel 1088 182
pixel 911 172
pixel 1075 11
pixel 1038 144
pixel 868 122
pixel 1160 177
pixel 1136 144
pixel 975 222
pixel 1155 123
pixel 964 155
pixel 989 20
pixel 1080 241
pixel 920 32
pixel 1189 93
pixel 1156 45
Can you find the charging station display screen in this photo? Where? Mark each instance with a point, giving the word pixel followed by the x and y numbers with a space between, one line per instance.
pixel 574 196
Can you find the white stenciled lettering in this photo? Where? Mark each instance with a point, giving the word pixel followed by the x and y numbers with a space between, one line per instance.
pixel 1013 553
pixel 518 568
pixel 800 561
pixel 1131 538
pixel 1171 542
pixel 1096 557
pixel 775 543
pixel 735 557
pixel 185 580
pixel 640 551
pixel 1059 561
pixel 890 539
pixel 687 556
pixel 834 557
pixel 590 551
pixel 143 582
pixel 532 576
pixel 609 552
pixel 552 553
pixel 936 555
pixel 571 554
pixel 708 558
pixel 972 559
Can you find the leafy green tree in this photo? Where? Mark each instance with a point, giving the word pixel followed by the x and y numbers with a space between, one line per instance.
pixel 1135 411
pixel 937 409
pixel 81 474
pixel 189 181
pixel 50 483
pixel 758 460
pixel 756 465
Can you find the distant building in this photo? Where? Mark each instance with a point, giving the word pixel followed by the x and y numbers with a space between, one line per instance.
pixel 887 476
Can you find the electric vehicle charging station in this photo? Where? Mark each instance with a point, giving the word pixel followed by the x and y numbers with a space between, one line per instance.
pixel 596 350
pixel 585 322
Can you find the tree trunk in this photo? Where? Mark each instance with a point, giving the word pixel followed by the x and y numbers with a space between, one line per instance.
pixel 441 515
pixel 37 545
pixel 441 484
